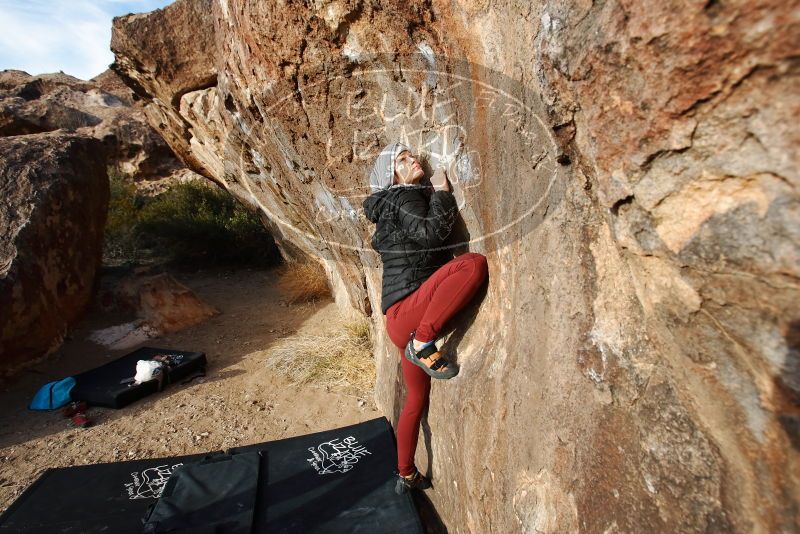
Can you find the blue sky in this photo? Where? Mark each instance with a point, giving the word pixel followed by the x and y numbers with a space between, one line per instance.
pixel 41 36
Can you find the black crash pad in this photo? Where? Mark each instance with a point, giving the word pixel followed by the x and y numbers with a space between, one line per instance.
pixel 107 498
pixel 102 386
pixel 217 495
pixel 335 481
pixel 339 480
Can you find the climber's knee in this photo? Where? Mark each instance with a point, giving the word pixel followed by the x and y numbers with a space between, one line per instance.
pixel 481 265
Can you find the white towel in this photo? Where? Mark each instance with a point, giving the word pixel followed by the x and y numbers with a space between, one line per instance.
pixel 147 370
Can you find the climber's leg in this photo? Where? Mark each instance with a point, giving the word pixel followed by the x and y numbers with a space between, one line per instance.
pixel 455 281
pixel 447 290
pixel 399 325
pixel 418 386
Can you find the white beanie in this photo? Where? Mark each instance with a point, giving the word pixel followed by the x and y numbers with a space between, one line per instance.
pixel 382 175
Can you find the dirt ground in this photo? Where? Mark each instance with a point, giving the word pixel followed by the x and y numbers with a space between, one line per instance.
pixel 238 402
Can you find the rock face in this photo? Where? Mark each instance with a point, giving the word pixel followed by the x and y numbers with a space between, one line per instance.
pixel 160 303
pixel 55 198
pixel 164 303
pixel 53 203
pixel 630 171
pixel 103 108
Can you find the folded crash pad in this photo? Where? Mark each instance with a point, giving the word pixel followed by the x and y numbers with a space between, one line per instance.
pixel 336 481
pixel 111 497
pixel 217 494
pixel 106 385
pixel 339 480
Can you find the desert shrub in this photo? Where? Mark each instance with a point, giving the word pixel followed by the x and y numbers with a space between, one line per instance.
pixel 121 241
pixel 340 358
pixel 303 281
pixel 190 223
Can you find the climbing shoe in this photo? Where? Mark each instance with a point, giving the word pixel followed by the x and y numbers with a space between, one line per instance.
pixel 418 481
pixel 432 353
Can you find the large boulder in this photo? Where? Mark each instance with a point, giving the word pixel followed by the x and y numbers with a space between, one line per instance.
pixel 629 169
pixel 53 205
pixel 103 108
pixel 46 278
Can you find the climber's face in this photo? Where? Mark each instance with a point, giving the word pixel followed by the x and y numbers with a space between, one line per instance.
pixel 407 169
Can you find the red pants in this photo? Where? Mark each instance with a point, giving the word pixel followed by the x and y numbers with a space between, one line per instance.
pixel 426 310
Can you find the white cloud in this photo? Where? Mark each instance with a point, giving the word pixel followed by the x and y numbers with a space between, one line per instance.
pixel 41 36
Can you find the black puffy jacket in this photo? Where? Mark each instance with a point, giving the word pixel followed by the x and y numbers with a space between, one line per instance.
pixel 412 225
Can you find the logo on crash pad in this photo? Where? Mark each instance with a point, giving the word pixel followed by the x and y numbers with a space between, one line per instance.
pixel 336 455
pixel 149 484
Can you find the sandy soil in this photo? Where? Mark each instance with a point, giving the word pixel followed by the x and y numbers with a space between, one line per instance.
pixel 239 401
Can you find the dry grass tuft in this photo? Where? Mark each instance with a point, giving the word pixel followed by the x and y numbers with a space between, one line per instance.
pixel 302 282
pixel 341 359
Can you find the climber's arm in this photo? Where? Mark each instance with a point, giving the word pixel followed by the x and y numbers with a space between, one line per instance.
pixel 428 224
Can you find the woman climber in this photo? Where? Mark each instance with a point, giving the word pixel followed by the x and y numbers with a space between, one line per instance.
pixel 422 286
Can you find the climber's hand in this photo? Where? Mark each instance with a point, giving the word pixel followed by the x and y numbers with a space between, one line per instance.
pixel 439 180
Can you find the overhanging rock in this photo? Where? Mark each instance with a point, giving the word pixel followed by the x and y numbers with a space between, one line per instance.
pixel 630 173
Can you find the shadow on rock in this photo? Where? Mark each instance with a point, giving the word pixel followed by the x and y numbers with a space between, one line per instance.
pixel 431 521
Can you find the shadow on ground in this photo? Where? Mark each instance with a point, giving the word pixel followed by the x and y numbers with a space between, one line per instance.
pixel 247 300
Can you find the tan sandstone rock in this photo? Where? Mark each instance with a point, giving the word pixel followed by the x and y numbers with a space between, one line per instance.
pixel 628 168
pixel 103 108
pixel 53 202
pixel 163 302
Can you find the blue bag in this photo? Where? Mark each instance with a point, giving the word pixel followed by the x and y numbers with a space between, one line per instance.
pixel 53 395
